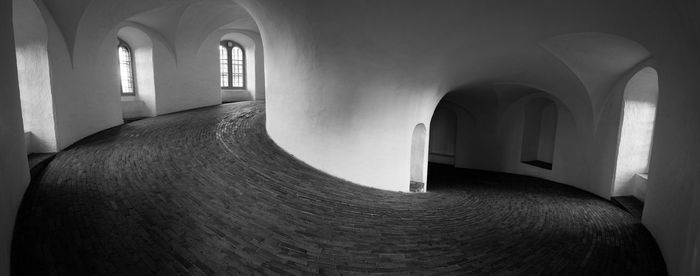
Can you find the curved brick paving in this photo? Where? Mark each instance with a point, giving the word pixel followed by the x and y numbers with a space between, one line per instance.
pixel 207 192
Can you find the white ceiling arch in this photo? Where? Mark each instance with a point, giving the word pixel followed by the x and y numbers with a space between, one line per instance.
pixel 599 60
pixel 82 22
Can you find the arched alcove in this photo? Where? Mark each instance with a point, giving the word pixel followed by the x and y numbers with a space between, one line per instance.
pixel 250 91
pixel 507 127
pixel 539 133
pixel 443 136
pixel 636 131
pixel 418 161
pixel 33 69
pixel 143 102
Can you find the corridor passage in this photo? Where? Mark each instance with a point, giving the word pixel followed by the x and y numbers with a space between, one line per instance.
pixel 206 192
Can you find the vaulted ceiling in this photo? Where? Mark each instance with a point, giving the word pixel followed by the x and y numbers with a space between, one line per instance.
pixel 171 19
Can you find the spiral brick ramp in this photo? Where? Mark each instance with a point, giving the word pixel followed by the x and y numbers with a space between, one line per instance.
pixel 206 192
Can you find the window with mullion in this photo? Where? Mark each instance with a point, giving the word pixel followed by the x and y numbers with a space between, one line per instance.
pixel 232 65
pixel 126 69
pixel 224 65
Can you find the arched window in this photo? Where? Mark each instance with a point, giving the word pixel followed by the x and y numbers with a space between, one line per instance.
pixel 126 69
pixel 232 65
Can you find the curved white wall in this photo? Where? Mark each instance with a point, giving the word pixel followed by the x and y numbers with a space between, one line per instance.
pixel 346 86
pixel 340 105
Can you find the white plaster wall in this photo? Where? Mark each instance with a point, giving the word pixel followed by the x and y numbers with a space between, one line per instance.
pixel 165 70
pixel 605 141
pixel 31 40
pixel 341 105
pixel 14 171
pixel 75 99
pixel 361 87
pixel 194 81
pixel 236 95
pixel 133 107
pixel 672 204
pixel 86 92
pixel 636 130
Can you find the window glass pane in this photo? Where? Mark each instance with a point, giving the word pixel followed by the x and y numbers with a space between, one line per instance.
pixel 223 65
pixel 125 70
pixel 238 67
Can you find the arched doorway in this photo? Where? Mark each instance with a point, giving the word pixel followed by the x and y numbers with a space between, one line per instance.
pixel 418 159
pixel 636 134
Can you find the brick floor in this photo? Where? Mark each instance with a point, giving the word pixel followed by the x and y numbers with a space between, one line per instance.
pixel 206 192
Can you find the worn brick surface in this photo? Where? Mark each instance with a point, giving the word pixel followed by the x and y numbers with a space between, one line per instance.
pixel 206 192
